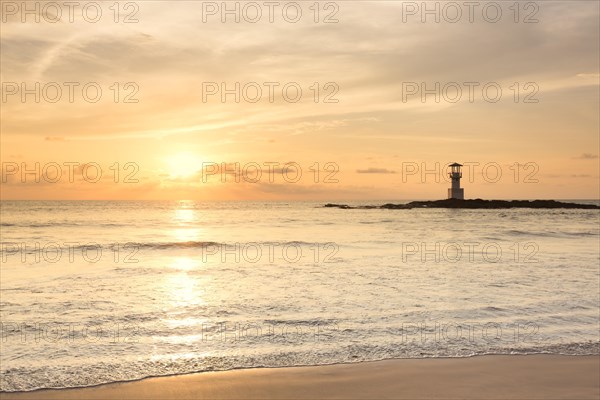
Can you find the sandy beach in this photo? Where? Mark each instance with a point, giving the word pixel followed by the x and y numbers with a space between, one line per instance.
pixel 486 377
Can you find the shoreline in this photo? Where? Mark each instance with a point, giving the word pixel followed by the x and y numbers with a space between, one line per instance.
pixel 488 376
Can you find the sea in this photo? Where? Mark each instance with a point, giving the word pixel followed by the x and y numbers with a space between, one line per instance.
pixel 93 292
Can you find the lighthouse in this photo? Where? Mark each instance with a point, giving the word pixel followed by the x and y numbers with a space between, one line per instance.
pixel 456 192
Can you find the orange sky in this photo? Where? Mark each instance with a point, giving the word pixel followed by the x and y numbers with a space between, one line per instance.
pixel 365 142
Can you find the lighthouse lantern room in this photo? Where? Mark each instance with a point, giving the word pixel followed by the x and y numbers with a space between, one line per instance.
pixel 456 192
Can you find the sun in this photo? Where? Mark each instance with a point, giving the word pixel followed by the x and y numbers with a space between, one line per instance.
pixel 183 165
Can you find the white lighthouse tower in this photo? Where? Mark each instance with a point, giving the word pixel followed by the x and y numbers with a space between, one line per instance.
pixel 456 192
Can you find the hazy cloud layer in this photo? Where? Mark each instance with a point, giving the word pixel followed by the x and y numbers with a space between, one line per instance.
pixel 370 55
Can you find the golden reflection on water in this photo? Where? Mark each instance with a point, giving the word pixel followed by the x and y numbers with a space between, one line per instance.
pixel 184 290
pixel 185 215
pixel 184 264
pixel 186 234
pixel 184 285
pixel 186 218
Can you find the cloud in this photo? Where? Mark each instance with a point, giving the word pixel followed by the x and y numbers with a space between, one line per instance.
pixel 369 54
pixel 375 171
pixel 587 156
pixel 581 176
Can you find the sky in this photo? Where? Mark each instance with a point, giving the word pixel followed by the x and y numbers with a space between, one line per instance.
pixel 512 96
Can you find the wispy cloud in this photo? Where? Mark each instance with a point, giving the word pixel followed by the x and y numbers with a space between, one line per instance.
pixel 375 171
pixel 587 156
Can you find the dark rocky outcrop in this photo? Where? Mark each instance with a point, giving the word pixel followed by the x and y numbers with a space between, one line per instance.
pixel 472 204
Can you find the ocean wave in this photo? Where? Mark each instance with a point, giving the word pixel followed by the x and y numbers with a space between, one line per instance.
pixel 174 245
pixel 31 248
pixel 97 372
pixel 552 234
pixel 56 224
pixel 43 246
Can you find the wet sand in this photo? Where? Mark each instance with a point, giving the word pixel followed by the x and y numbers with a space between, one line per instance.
pixel 485 377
